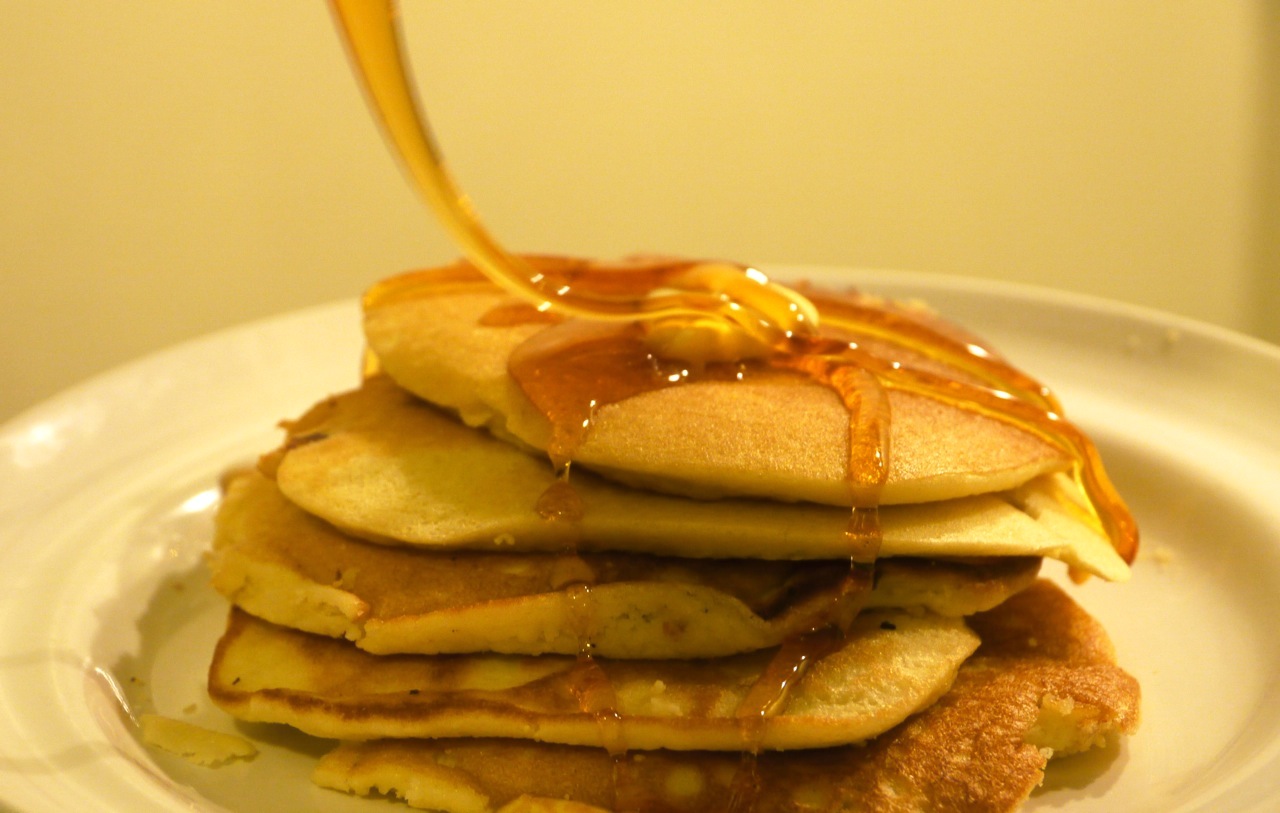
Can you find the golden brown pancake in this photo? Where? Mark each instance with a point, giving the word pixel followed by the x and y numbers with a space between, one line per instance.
pixel 1043 683
pixel 775 436
pixel 380 464
pixel 891 664
pixel 397 584
pixel 279 563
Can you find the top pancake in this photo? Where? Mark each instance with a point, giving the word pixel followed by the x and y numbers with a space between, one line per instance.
pixel 781 437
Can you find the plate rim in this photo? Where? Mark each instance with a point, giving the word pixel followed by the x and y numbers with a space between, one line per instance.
pixel 1260 350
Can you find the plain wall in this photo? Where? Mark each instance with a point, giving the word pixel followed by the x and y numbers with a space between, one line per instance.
pixel 167 169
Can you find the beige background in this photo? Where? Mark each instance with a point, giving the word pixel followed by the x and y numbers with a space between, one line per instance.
pixel 169 168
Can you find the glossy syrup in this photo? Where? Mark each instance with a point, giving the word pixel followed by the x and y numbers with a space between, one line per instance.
pixel 742 325
pixel 771 317
pixel 756 307
pixel 963 374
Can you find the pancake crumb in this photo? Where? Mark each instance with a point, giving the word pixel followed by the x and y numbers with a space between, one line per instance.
pixel 195 744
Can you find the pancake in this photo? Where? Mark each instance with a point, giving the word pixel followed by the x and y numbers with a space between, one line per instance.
pixel 891 664
pixel 779 436
pixel 695 616
pixel 1043 684
pixel 382 465
pixel 277 562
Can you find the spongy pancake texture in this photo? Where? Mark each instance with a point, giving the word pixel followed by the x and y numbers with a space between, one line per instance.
pixel 774 436
pixel 890 665
pixel 380 464
pixel 976 750
pixel 277 562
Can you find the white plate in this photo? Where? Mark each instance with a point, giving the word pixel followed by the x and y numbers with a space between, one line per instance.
pixel 106 494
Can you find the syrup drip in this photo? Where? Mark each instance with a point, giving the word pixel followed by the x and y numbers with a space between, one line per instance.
pixel 982 383
pixel 596 697
pixel 1102 500
pixel 768 694
pixel 575 577
pixel 560 503
pixel 772 317
pixel 869 419
pixel 960 355
pixel 575 368
pixel 591 684
pixel 571 370
pixel 1003 393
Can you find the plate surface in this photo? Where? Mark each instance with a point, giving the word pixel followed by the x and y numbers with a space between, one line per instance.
pixel 107 491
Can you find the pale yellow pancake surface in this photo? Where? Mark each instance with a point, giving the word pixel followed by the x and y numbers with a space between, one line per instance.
pixel 1044 665
pixel 890 665
pixel 781 438
pixel 382 465
pixel 277 562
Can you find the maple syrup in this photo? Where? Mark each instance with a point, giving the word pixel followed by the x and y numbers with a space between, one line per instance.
pixel 655 323
pixel 756 312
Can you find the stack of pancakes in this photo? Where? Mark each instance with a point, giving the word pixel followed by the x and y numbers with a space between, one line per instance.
pixel 399 586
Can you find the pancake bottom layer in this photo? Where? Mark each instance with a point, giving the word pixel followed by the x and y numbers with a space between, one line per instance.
pixel 1043 683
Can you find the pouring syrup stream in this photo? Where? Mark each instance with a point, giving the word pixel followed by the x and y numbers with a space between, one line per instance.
pixel 760 312
pixel 724 318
